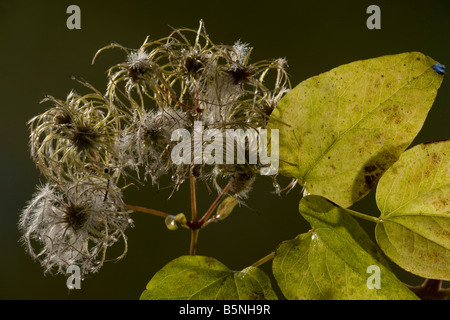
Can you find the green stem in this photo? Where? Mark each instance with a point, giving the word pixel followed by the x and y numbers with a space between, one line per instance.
pixel 363 216
pixel 263 260
pixel 147 210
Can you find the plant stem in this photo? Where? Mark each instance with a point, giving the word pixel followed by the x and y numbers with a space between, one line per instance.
pixel 214 204
pixel 175 99
pixel 430 289
pixel 263 260
pixel 147 210
pixel 194 241
pixel 193 224
pixel 193 197
pixel 363 216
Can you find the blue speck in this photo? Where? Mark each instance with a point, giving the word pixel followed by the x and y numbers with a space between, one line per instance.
pixel 439 68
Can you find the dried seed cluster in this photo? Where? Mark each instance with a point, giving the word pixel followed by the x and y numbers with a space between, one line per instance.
pixel 86 145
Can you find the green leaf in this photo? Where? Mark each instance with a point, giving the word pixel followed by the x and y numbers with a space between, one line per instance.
pixel 414 199
pixel 204 278
pixel 341 130
pixel 332 260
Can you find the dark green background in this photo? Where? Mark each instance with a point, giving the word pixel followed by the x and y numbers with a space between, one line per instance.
pixel 38 54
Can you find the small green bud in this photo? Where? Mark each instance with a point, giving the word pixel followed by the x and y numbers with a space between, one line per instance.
pixel 172 222
pixel 181 219
pixel 225 208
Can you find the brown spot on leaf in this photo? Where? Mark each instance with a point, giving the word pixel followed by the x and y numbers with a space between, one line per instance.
pixel 370 180
pixel 194 276
pixel 440 204
pixel 256 295
pixel 435 158
pixel 370 168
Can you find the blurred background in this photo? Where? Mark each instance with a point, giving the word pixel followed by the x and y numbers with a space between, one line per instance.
pixel 38 54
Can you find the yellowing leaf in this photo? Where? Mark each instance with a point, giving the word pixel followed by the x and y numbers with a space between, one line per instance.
pixel 204 278
pixel 414 199
pixel 341 130
pixel 334 260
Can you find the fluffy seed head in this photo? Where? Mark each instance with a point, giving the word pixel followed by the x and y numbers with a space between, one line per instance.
pixel 75 225
pixel 137 63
